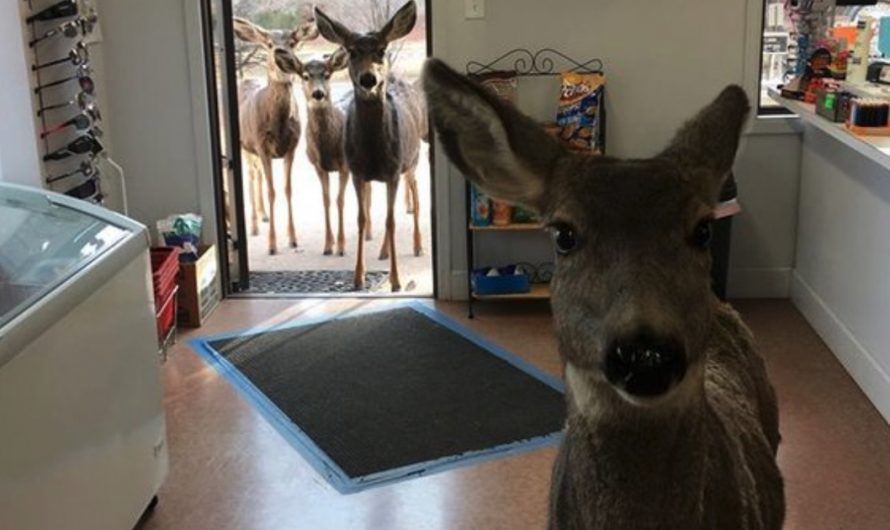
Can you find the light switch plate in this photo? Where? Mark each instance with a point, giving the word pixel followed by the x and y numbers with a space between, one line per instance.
pixel 474 9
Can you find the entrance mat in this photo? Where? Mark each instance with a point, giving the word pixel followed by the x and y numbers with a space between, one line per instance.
pixel 311 282
pixel 375 397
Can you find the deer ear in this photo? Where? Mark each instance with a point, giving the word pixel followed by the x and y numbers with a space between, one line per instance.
pixel 250 32
pixel 401 23
pixel 707 144
pixel 501 150
pixel 305 32
pixel 338 60
pixel 332 30
pixel 288 62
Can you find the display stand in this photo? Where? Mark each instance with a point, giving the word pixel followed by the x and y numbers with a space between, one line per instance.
pixel 546 62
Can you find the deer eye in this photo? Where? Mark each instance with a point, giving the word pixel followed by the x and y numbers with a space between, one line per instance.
pixel 701 236
pixel 564 237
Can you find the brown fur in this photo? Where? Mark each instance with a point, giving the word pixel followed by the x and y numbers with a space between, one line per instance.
pixel 384 126
pixel 701 454
pixel 325 129
pixel 269 121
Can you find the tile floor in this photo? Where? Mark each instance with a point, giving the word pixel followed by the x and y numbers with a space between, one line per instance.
pixel 230 470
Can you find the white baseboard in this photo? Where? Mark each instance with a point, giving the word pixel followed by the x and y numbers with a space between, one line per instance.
pixel 861 365
pixel 759 283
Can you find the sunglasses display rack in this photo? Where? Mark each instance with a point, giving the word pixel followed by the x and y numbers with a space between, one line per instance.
pixel 64 91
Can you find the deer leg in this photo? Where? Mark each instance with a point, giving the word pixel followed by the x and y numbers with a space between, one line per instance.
pixel 369 233
pixel 361 189
pixel 261 204
pixel 341 235
pixel 325 180
pixel 270 189
pixel 411 184
pixel 252 181
pixel 288 191
pixel 410 205
pixel 392 189
pixel 384 248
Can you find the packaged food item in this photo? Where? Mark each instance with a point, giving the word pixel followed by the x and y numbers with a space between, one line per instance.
pixel 523 216
pixel 502 213
pixel 480 206
pixel 580 111
pixel 501 82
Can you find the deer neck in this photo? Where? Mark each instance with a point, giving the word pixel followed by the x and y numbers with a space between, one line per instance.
pixel 633 458
pixel 280 97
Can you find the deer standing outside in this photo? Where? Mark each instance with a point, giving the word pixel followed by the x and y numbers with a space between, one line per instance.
pixel 672 422
pixel 269 120
pixel 384 125
pixel 325 128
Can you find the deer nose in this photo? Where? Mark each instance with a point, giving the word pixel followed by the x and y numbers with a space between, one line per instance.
pixel 645 365
pixel 318 95
pixel 368 81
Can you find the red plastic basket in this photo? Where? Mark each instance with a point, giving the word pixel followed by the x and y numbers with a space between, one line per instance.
pixel 164 270
pixel 166 317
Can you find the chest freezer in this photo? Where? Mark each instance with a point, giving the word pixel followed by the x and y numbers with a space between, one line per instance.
pixel 82 435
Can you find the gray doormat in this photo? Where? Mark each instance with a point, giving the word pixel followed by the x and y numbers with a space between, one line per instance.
pixel 309 282
pixel 382 396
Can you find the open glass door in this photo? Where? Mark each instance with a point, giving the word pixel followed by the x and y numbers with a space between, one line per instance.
pixel 222 96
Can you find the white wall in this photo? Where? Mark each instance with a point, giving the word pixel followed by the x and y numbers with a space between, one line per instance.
pixel 149 105
pixel 19 160
pixel 841 281
pixel 663 60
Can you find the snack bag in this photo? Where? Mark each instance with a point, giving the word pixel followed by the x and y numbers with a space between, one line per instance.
pixel 580 110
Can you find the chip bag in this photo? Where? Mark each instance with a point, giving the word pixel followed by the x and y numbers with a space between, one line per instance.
pixel 580 111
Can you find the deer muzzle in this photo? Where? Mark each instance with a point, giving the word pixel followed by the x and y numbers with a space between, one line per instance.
pixel 645 365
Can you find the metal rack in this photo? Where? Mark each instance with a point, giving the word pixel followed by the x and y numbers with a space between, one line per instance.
pixel 64 91
pixel 546 62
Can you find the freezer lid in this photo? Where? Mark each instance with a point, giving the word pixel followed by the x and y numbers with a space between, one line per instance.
pixel 45 241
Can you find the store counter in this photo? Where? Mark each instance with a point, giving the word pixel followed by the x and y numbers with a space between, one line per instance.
pixel 841 279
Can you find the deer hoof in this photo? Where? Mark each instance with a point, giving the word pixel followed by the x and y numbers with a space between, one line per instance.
pixel 418 252
pixel 359 285
pixel 272 252
pixel 328 252
pixel 383 256
pixel 341 253
pixel 265 218
pixel 254 231
pixel 396 287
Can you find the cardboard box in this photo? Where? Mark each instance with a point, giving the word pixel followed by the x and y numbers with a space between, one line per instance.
pixel 199 288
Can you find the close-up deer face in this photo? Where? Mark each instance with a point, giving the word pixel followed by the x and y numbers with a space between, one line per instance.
pixel 368 61
pixel 631 293
pixel 275 41
pixel 315 74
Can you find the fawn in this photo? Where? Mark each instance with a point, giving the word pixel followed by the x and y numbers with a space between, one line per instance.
pixel 672 422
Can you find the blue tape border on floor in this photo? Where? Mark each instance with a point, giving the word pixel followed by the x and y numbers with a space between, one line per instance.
pixel 317 458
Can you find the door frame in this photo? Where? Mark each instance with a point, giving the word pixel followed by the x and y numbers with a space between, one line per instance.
pixel 207 129
pixel 233 162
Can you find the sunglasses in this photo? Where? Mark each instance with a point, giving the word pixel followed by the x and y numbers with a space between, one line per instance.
pixel 78 55
pixel 83 100
pixel 81 122
pixel 70 29
pixel 83 79
pixel 86 168
pixel 88 190
pixel 87 143
pixel 63 9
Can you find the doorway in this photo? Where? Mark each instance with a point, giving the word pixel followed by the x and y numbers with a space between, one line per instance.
pixel 312 268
